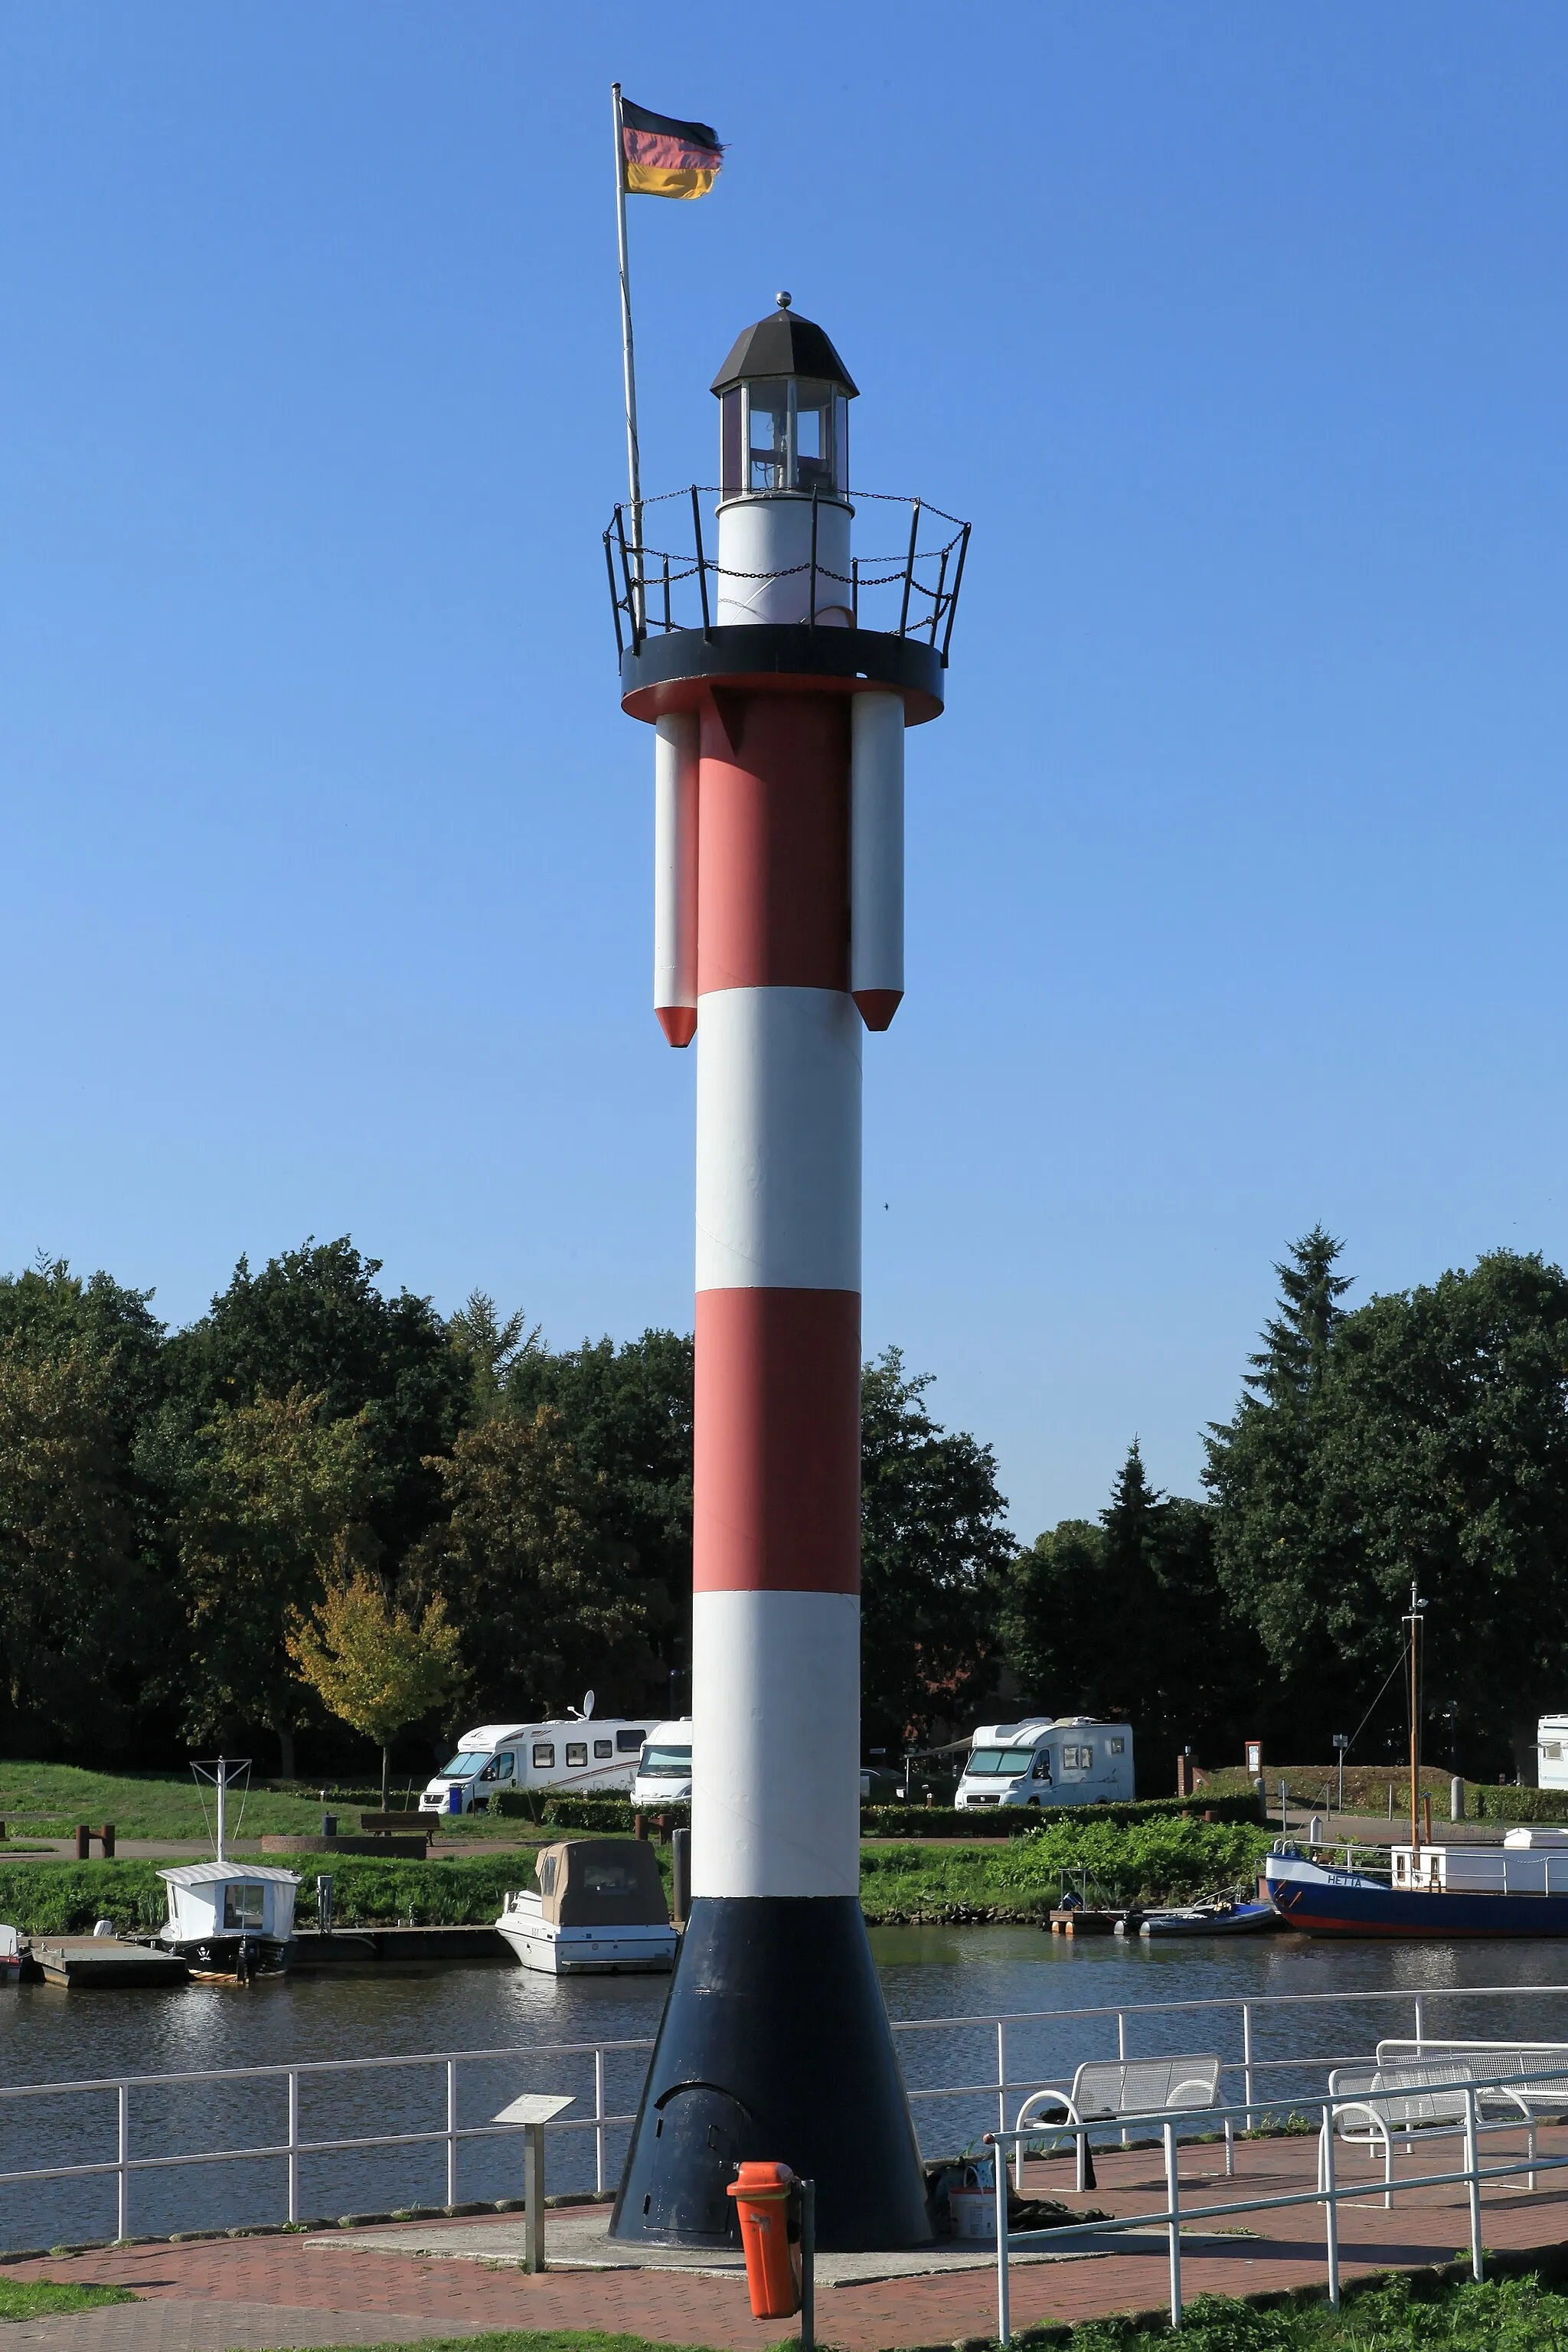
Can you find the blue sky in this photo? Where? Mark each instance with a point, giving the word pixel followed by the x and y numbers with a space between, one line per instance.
pixel 1235 867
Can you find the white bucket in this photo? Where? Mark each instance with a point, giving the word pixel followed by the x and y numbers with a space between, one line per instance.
pixel 973 2212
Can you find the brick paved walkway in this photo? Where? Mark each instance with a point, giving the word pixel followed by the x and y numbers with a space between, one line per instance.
pixel 255 2292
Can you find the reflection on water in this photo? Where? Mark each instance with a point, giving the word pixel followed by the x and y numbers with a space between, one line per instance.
pixel 48 2035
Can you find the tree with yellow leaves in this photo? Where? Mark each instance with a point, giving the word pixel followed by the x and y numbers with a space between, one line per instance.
pixel 375 1662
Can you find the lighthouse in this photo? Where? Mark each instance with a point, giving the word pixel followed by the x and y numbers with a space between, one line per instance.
pixel 780 639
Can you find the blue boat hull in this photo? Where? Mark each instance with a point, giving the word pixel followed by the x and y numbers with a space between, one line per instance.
pixel 1327 1906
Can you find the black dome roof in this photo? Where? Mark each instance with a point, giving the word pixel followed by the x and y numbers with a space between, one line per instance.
pixel 782 344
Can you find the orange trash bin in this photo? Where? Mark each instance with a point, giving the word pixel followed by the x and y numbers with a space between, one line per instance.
pixel 764 2195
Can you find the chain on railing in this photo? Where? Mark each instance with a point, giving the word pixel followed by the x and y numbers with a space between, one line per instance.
pixel 646 580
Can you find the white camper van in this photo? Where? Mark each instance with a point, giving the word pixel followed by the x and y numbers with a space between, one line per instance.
pixel 1069 1760
pixel 664 1775
pixel 594 1754
pixel 1552 1751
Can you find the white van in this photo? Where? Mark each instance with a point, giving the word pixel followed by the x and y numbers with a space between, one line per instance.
pixel 664 1775
pixel 1068 1760
pixel 594 1754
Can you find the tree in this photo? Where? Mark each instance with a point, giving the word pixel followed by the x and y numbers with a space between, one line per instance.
pixel 1289 1366
pixel 375 1662
pixel 933 1551
pixel 1126 1619
pixel 627 1411
pixel 541 1594
pixel 79 1628
pixel 314 1320
pixel 1432 1444
pixel 488 1348
pixel 275 1500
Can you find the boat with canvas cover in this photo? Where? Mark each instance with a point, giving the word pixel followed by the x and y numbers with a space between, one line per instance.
pixel 598 1909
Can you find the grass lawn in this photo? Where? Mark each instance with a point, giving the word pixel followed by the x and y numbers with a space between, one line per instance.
pixel 50 1800
pixel 1383 2315
pixel 42 2298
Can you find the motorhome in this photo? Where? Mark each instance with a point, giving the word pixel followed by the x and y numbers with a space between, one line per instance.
pixel 1070 1760
pixel 664 1775
pixel 595 1754
pixel 1552 1751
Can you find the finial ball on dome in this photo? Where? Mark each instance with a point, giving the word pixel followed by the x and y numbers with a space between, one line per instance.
pixel 782 302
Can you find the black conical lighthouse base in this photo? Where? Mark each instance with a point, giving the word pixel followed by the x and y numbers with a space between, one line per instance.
pixel 775 2044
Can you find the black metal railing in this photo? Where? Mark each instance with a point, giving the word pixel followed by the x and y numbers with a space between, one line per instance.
pixel 663 579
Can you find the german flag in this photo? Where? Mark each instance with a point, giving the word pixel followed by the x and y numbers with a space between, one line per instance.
pixel 663 157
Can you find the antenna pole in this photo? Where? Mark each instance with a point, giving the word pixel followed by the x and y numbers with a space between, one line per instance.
pixel 628 362
pixel 1414 1622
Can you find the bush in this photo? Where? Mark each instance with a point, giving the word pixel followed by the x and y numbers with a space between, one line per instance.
pixel 65 1898
pixel 1019 1820
pixel 1484 1804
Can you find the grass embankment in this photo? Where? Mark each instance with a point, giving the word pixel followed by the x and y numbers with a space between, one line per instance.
pixel 42 2298
pixel 1315 1787
pixel 50 1800
pixel 1154 1861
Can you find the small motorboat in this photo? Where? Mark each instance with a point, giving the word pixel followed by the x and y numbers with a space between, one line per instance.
pixel 1219 1919
pixel 10 1956
pixel 598 1909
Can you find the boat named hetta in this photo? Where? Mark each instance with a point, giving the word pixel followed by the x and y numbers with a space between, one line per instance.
pixel 1518 1889
pixel 228 1920
pixel 598 1909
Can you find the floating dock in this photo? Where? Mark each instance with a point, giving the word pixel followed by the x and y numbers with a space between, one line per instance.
pixel 1084 1923
pixel 101 1964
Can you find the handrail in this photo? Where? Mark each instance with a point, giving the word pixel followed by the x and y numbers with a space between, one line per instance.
pixel 1327 2191
pixel 1004 2085
pixel 932 573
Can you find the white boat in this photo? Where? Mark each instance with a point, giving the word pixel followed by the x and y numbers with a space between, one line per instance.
pixel 10 1956
pixel 598 1909
pixel 228 1918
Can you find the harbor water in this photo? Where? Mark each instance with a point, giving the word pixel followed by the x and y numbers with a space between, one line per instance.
pixel 52 2036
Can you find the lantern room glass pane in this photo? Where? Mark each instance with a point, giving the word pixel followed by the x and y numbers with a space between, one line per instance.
pixel 814 437
pixel 731 471
pixel 767 435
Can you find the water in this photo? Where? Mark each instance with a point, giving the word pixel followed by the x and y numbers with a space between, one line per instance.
pixel 48 2035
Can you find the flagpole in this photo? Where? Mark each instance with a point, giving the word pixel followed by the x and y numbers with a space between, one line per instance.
pixel 633 467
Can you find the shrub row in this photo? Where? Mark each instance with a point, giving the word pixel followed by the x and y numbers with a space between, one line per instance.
pixel 613 1815
pixel 65 1898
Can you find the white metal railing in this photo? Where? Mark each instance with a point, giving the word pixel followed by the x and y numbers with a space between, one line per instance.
pixel 1327 2190
pixel 292 2147
pixel 1250 2071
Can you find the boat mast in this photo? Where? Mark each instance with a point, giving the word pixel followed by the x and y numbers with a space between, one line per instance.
pixel 1414 1621
pixel 222 1776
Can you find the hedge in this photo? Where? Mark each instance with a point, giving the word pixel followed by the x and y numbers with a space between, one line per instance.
pixel 1484 1804
pixel 65 1898
pixel 614 1814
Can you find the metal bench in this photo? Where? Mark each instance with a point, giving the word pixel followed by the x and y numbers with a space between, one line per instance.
pixel 1106 2090
pixel 1428 2088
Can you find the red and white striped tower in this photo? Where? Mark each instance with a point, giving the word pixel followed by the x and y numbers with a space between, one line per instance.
pixel 778 940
